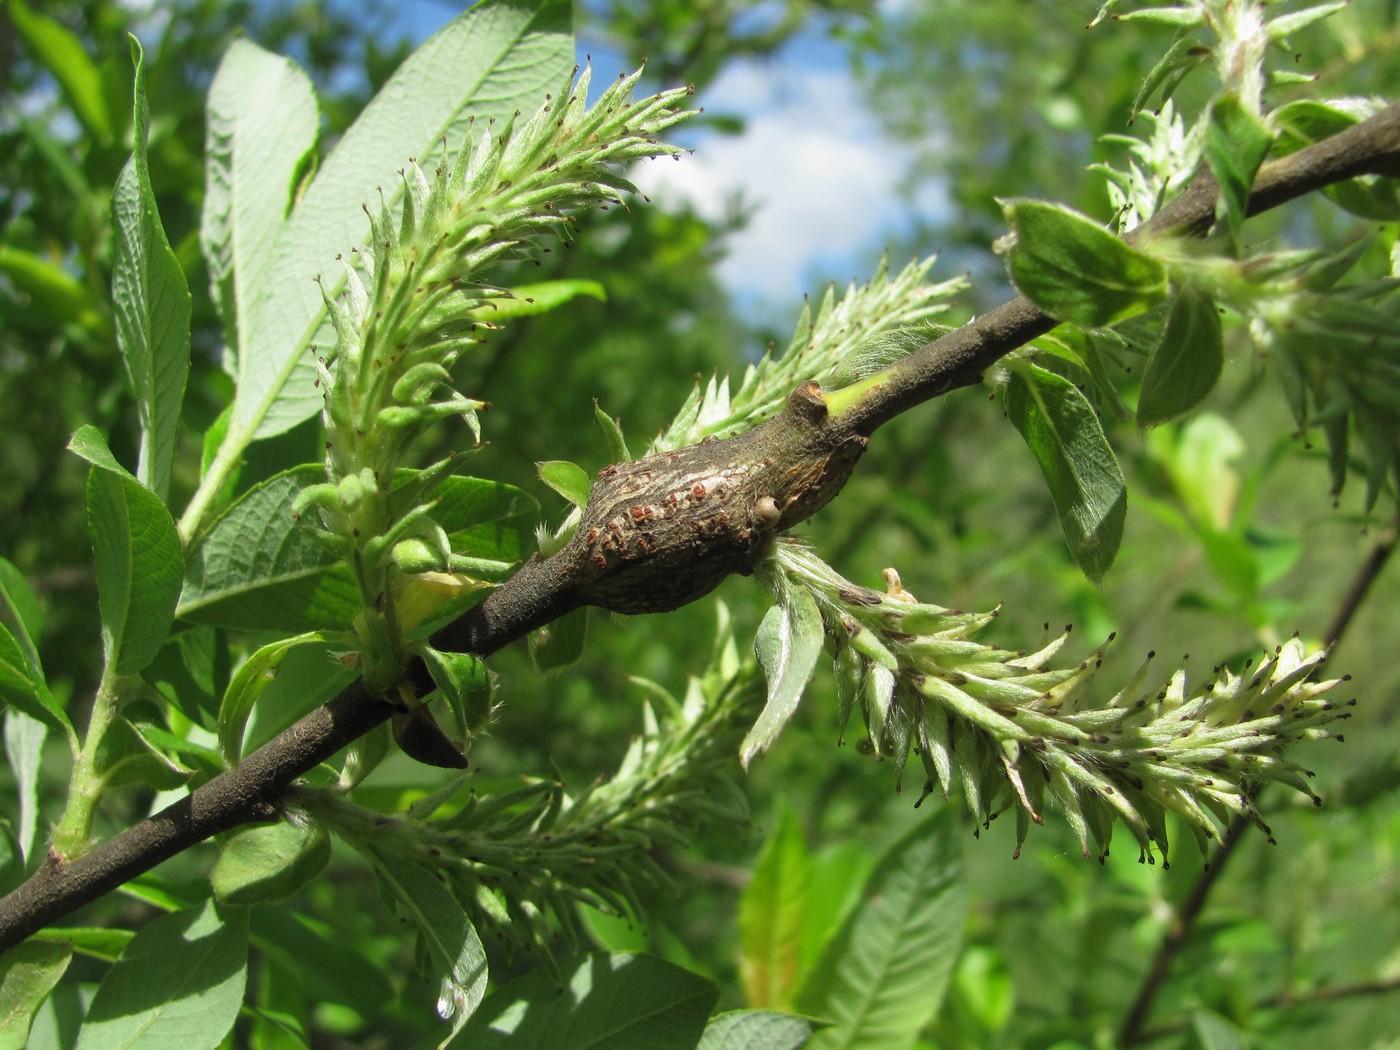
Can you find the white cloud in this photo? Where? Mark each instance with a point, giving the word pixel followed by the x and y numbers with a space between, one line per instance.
pixel 811 162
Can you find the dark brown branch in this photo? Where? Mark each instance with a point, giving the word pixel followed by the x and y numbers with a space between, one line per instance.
pixel 656 534
pixel 960 357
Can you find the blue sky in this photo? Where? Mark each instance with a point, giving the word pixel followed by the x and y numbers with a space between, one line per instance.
pixel 812 165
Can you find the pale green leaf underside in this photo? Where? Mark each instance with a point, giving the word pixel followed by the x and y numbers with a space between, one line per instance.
pixel 262 122
pixel 1074 270
pixel 755 1030
pixel 150 304
pixel 1063 433
pixel 450 936
pixel 488 63
pixel 789 641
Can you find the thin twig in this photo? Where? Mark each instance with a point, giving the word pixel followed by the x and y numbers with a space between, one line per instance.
pixel 1285 1001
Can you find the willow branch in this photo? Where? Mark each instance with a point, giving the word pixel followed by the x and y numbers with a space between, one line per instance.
pixel 959 358
pixel 657 534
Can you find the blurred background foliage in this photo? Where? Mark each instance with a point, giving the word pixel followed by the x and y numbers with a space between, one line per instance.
pixel 1232 541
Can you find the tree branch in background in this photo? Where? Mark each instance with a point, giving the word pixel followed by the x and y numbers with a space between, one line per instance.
pixel 714 505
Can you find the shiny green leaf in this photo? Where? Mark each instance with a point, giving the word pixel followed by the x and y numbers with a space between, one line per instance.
pixel 568 479
pixel 179 983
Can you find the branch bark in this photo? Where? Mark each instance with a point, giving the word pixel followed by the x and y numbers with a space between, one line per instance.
pixel 657 534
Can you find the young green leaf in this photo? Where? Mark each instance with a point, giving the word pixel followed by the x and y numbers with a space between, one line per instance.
pixel 180 982
pixel 627 1002
pixel 883 975
pixel 756 1030
pixel 264 865
pixel 789 641
pixel 28 973
pixel 126 756
pixel 246 687
pixel 491 61
pixel 151 303
pixel 1279 27
pixel 557 645
pixel 261 124
pixel 1073 269
pixel 1236 143
pixel 1186 362
pixel 22 688
pixel 612 431
pixel 772 914
pixel 137 555
pixel 466 685
pixel 451 939
pixel 568 479
pixel 1064 435
pixel 1162 80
